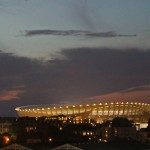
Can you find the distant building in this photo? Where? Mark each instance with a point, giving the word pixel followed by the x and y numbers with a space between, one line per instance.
pixel 136 111
pixel 15 147
pixel 118 133
pixel 29 123
pixel 66 147
pixel 144 134
pixel 118 129
pixel 6 124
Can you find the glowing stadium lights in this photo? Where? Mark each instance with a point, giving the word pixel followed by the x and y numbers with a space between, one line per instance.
pixel 97 110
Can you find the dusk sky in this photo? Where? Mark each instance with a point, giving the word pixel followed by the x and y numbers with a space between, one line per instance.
pixel 65 51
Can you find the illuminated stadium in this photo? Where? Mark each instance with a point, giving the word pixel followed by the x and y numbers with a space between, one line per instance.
pixel 136 111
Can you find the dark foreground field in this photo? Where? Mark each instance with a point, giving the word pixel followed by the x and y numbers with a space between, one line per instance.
pixel 96 146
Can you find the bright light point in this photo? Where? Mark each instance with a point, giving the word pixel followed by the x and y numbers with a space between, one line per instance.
pixel 6 139
pixel 50 139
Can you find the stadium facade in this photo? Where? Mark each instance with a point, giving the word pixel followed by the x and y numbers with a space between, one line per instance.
pixel 136 111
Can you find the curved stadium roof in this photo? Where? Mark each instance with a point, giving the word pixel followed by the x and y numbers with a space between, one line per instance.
pixel 137 111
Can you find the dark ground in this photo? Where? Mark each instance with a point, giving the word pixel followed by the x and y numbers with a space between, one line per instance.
pixel 96 146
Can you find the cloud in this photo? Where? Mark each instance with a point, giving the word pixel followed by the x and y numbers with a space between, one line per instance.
pixel 10 95
pixel 138 88
pixel 14 71
pixel 139 93
pixel 85 72
pixel 84 33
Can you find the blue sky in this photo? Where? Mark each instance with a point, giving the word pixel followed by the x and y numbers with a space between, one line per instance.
pixel 121 16
pixel 90 48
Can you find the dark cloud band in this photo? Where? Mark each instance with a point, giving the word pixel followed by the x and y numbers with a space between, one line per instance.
pixel 85 33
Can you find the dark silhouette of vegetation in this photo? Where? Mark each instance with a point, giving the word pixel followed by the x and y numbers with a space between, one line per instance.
pixel 121 122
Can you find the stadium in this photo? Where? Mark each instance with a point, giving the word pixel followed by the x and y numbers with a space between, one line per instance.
pixel 136 111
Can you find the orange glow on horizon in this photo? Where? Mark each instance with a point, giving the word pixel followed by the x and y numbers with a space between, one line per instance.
pixel 10 95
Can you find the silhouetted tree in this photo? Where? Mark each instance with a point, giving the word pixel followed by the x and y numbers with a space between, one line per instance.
pixel 121 122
